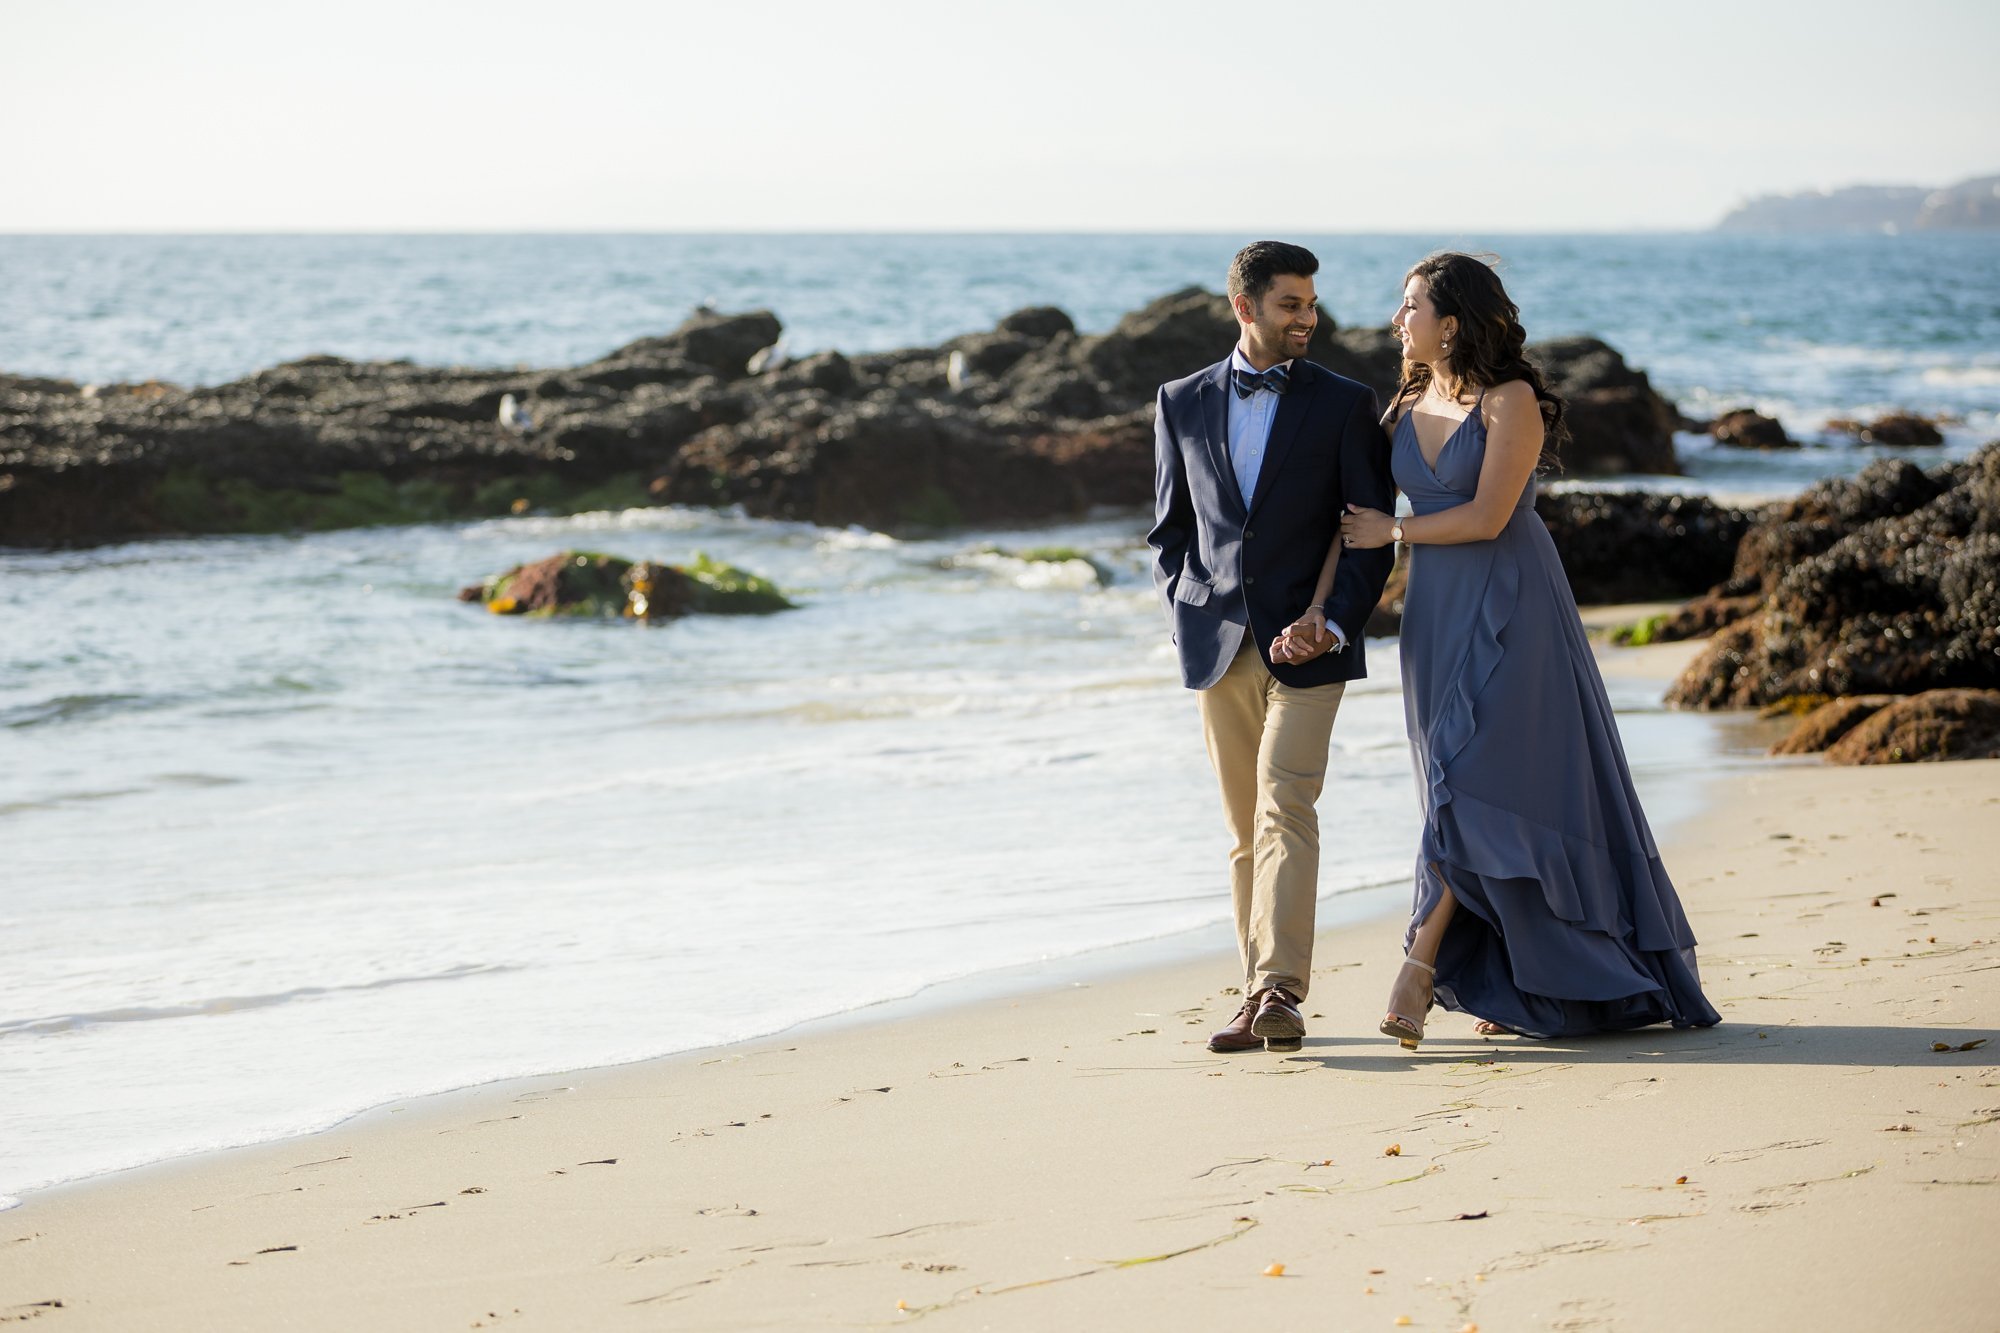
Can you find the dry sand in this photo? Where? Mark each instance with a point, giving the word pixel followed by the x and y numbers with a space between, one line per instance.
pixel 1075 1158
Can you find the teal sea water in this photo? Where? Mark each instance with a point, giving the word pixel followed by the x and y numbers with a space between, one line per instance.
pixel 1806 326
pixel 287 832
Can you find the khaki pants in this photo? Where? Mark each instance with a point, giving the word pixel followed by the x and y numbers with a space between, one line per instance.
pixel 1268 743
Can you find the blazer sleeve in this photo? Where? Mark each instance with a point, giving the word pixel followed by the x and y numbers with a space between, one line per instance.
pixel 1364 480
pixel 1173 507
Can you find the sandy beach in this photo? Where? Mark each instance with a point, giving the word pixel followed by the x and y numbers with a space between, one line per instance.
pixel 1072 1157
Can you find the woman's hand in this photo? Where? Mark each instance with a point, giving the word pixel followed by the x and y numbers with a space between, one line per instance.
pixel 1303 639
pixel 1365 529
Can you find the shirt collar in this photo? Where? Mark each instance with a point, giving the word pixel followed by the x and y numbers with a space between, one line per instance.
pixel 1237 361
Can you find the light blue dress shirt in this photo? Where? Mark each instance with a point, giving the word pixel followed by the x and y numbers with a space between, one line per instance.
pixel 1249 428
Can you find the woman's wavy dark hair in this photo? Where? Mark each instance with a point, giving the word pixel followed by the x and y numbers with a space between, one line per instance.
pixel 1488 348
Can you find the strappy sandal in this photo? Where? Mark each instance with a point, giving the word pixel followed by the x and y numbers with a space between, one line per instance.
pixel 1408 1031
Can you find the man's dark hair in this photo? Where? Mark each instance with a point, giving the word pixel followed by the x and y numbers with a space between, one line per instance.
pixel 1259 263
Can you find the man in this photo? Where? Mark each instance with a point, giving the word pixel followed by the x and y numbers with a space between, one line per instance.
pixel 1255 459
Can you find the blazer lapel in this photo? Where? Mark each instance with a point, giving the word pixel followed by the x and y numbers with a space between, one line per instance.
pixel 1284 429
pixel 1214 404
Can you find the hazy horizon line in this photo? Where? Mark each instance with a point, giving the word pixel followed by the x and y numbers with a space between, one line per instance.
pixel 852 231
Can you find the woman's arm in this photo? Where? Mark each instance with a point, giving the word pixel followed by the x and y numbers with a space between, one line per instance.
pixel 1324 588
pixel 1301 639
pixel 1513 446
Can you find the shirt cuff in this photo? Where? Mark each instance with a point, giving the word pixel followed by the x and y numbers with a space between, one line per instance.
pixel 1339 637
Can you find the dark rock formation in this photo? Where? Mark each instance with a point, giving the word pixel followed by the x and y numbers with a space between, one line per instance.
pixel 1028 421
pixel 1830 721
pixel 1934 725
pixel 1633 547
pixel 1617 423
pixel 1804 526
pixel 1886 583
pixel 1897 430
pixel 1745 429
pixel 586 583
pixel 1703 616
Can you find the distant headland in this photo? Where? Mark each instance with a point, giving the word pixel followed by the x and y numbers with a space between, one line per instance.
pixel 1972 205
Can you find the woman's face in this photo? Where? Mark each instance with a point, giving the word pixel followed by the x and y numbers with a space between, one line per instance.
pixel 1419 326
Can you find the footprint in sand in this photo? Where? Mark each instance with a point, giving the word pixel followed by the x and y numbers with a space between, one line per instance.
pixel 1578 1315
pixel 635 1258
pixel 1631 1088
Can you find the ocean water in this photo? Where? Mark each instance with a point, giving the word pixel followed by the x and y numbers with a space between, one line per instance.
pixel 287 832
pixel 1802 327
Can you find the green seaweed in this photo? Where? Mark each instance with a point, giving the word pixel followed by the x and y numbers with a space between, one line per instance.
pixel 723 589
pixel 593 585
pixel 1640 634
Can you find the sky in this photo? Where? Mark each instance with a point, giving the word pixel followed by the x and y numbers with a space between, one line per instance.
pixel 1030 115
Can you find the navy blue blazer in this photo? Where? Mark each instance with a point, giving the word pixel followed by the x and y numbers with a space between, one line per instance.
pixel 1224 569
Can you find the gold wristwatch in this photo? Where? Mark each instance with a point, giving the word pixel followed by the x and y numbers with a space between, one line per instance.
pixel 1396 531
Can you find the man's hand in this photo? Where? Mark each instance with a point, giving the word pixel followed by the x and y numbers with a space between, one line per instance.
pixel 1303 639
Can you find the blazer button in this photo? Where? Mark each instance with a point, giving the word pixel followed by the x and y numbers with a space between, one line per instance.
pixel 1247 534
pixel 1248 581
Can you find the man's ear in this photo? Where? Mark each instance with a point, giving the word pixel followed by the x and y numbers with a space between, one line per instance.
pixel 1246 309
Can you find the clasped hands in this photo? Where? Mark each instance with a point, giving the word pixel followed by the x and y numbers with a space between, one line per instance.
pixel 1303 639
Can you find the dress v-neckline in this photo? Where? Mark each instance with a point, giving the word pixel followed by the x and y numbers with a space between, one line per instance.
pixel 1417 439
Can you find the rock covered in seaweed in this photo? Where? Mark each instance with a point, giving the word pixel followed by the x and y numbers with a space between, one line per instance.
pixel 589 583
pixel 1831 720
pixel 1924 728
pixel 1888 583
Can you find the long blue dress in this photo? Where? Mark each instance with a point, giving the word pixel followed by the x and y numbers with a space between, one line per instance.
pixel 1566 922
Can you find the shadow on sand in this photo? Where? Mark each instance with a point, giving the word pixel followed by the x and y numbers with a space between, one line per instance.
pixel 1727 1043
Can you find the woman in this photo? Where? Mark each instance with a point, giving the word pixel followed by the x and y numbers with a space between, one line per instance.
pixel 1541 905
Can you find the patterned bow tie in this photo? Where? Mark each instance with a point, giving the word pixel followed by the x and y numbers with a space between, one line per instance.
pixel 1248 382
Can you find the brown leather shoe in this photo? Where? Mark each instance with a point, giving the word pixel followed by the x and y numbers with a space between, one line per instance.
pixel 1279 1021
pixel 1237 1036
